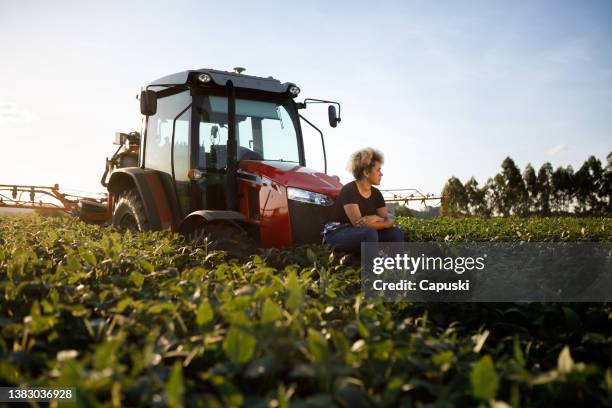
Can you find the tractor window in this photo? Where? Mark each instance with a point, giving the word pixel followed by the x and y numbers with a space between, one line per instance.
pixel 264 131
pixel 159 136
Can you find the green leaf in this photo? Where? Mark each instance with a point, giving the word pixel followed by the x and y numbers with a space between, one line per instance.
pixel 239 345
pixel 318 401
pixel 37 322
pixel 229 393
pixel 363 330
pixel 518 353
pixel 565 363
pixel 310 254
pixel 204 314
pixel 341 343
pixel 295 299
pixel 72 263
pixel 123 303
pixel 9 373
pixel 175 387
pixel 137 279
pixel 571 317
pixel 270 312
pixel 238 318
pixel 47 307
pixel 146 265
pixel 381 350
pixel 515 395
pixel 443 359
pixel 317 345
pixel 545 378
pixel 499 404
pixel 161 307
pixel 349 392
pixel 88 257
pixel 106 354
pixel 479 340
pixel 484 379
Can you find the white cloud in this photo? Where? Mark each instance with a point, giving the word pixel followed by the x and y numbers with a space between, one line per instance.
pixel 10 112
pixel 553 151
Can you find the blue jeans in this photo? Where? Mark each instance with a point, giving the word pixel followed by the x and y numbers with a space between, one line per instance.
pixel 349 239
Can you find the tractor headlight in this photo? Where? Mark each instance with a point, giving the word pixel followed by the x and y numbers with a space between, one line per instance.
pixel 204 78
pixel 305 196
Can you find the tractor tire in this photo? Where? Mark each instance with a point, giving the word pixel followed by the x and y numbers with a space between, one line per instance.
pixel 129 212
pixel 222 236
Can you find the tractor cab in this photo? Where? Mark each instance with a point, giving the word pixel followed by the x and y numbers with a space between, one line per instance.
pixel 224 148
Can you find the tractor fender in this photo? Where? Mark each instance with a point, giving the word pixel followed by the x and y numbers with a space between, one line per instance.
pixel 152 193
pixel 197 218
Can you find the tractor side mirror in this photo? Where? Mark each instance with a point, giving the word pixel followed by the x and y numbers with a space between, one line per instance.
pixel 148 102
pixel 333 117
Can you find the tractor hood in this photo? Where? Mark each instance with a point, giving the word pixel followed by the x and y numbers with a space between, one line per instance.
pixel 291 175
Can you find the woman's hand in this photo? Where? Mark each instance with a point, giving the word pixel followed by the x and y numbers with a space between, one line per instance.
pixel 375 221
pixel 369 220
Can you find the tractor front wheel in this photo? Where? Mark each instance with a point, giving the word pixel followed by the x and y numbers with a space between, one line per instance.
pixel 129 212
pixel 221 236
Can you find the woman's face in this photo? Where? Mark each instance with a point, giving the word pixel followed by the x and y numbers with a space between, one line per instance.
pixel 375 175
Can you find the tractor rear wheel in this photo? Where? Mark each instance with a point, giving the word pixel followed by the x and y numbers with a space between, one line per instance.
pixel 129 212
pixel 222 236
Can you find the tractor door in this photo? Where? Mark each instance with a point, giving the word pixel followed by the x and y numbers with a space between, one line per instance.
pixel 212 155
pixel 213 135
pixel 167 147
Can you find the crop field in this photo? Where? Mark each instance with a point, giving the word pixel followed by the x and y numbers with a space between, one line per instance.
pixel 146 320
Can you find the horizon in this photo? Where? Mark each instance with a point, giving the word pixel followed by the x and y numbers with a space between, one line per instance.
pixel 450 89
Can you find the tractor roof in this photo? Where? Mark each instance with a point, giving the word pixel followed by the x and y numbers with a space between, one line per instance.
pixel 268 84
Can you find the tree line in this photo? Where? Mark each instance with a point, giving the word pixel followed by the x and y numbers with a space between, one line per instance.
pixel 586 192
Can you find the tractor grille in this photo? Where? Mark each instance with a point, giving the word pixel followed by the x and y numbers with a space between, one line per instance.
pixel 307 222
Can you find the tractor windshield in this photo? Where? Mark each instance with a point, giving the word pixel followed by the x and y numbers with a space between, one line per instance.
pixel 264 131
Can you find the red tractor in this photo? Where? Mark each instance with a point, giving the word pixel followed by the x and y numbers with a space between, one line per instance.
pixel 221 154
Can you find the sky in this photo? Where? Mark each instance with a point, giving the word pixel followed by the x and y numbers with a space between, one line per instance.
pixel 445 88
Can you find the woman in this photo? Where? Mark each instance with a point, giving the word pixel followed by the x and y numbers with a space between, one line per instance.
pixel 360 213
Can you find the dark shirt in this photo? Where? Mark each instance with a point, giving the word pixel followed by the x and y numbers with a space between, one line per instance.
pixel 349 194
